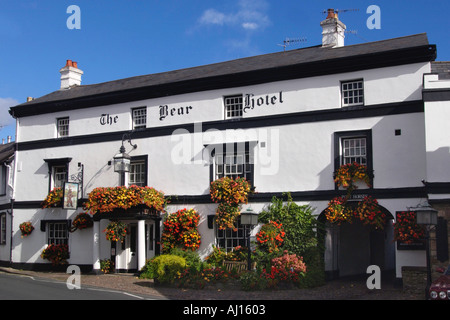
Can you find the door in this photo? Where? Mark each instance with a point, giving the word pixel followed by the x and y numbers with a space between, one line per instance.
pixel 126 259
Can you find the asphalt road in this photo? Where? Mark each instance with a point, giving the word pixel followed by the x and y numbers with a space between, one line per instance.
pixel 19 287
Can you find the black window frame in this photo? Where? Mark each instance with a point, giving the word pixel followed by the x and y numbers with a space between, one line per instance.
pixel 237 147
pixel 143 159
pixel 52 163
pixel 338 157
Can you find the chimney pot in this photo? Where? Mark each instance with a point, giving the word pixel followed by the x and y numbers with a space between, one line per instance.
pixel 9 139
pixel 70 75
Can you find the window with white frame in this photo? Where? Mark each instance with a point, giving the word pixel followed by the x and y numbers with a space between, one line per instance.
pixel 352 93
pixel 2 228
pixel 233 106
pixel 138 173
pixel 354 150
pixel 139 116
pixel 57 232
pixel 59 176
pixel 62 126
pixel 235 165
pixel 231 238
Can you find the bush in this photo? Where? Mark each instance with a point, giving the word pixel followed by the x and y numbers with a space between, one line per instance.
pixel 164 268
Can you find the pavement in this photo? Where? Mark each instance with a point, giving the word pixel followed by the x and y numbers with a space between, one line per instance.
pixel 341 289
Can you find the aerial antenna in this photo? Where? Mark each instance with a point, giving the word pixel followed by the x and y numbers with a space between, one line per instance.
pixel 355 33
pixel 288 41
pixel 332 13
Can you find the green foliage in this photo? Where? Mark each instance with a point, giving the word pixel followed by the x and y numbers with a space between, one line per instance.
pixel 303 230
pixel 164 268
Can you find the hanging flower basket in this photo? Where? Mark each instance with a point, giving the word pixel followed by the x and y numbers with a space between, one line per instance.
pixel 57 254
pixel 348 174
pixel 338 211
pixel 230 194
pixel 26 228
pixel 82 221
pixel 108 199
pixel 406 229
pixel 181 231
pixel 116 231
pixel 53 199
pixel 368 211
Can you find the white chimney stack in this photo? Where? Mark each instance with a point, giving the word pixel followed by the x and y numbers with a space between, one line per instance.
pixel 333 30
pixel 70 75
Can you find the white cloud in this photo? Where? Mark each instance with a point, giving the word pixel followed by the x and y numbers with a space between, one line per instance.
pixel 212 16
pixel 5 117
pixel 250 15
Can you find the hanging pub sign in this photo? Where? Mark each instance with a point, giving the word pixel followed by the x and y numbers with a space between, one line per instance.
pixel 70 195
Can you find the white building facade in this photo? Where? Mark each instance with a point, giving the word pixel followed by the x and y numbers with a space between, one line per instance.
pixel 286 121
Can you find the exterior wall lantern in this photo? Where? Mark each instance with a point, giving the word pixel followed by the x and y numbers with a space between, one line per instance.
pixel 249 218
pixel 122 160
pixel 428 217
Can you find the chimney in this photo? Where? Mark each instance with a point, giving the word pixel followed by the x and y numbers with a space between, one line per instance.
pixel 333 30
pixel 9 139
pixel 70 75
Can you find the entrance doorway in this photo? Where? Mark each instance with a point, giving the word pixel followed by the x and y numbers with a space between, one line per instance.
pixel 126 257
pixel 351 247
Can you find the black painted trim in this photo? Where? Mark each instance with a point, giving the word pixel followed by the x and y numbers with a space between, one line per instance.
pixel 346 113
pixel 261 197
pixel 430 95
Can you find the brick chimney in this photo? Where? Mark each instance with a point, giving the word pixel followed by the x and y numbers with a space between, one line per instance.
pixel 333 30
pixel 70 75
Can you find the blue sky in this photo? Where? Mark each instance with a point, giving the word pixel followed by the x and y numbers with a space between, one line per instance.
pixel 125 38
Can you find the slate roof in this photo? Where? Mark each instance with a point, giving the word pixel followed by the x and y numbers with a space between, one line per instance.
pixel 442 68
pixel 7 151
pixel 305 60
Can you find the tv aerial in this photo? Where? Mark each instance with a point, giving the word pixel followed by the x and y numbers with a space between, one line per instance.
pixel 288 41
pixel 332 13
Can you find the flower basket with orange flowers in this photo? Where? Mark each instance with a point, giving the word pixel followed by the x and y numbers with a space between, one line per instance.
pixel 406 229
pixel 110 198
pixel 181 231
pixel 116 231
pixel 338 211
pixel 53 199
pixel 271 236
pixel 57 254
pixel 82 221
pixel 368 211
pixel 26 228
pixel 348 174
pixel 229 193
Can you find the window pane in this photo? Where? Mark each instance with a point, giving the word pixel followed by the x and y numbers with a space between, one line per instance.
pixel 352 93
pixel 233 106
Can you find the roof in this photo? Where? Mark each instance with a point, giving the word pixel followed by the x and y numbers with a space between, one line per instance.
pixel 277 66
pixel 442 68
pixel 7 151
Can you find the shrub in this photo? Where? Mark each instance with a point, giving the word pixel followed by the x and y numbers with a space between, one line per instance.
pixel 163 268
